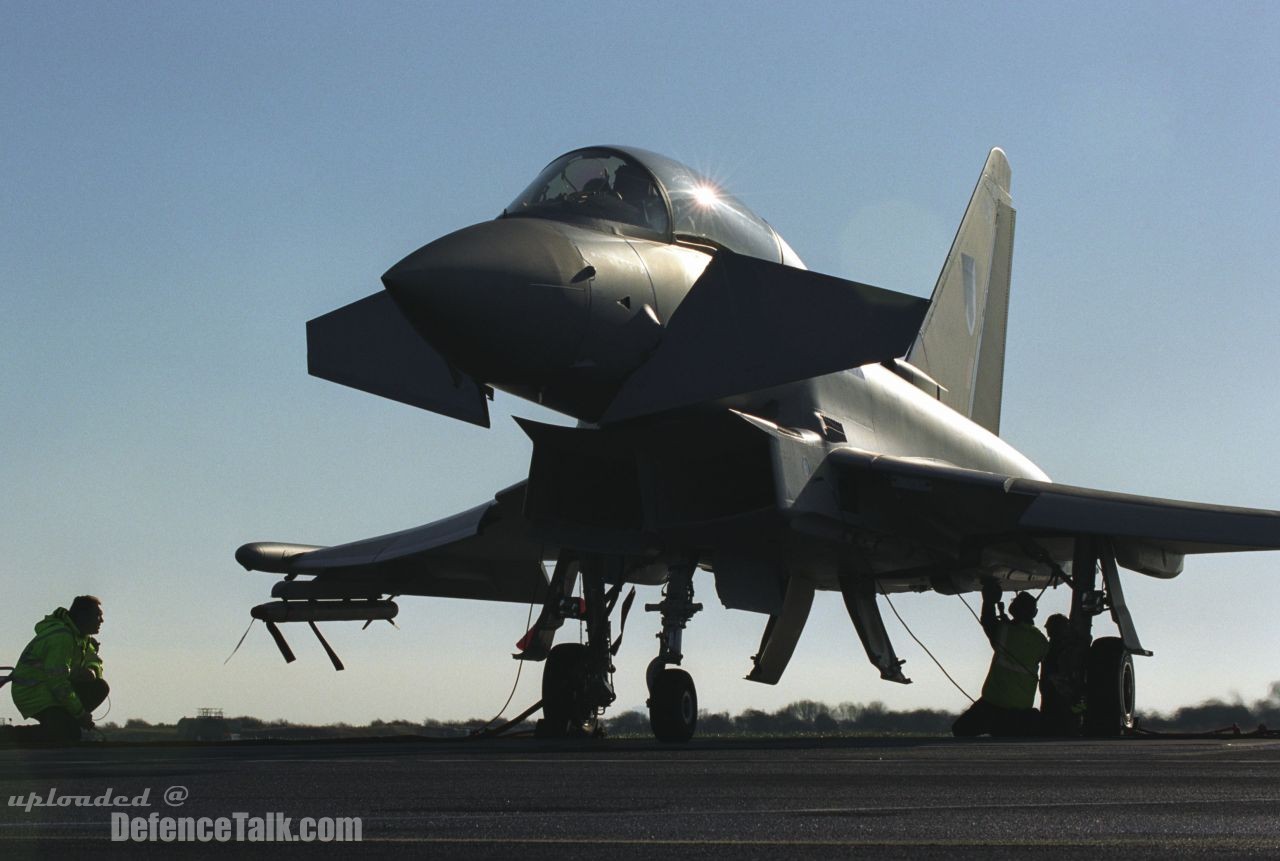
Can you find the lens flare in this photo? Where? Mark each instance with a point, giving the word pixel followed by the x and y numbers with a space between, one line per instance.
pixel 705 195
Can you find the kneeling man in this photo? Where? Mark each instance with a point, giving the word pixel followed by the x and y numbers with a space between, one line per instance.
pixel 58 680
pixel 1005 707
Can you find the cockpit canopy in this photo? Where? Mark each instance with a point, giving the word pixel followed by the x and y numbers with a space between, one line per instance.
pixel 646 194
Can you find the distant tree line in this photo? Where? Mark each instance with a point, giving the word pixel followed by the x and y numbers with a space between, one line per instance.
pixel 811 717
pixel 1218 714
pixel 803 717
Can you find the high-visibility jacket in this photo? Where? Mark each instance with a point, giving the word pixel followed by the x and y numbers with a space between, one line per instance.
pixel 1018 648
pixel 42 677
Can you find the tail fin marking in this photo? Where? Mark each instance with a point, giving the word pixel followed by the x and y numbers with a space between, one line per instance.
pixel 962 341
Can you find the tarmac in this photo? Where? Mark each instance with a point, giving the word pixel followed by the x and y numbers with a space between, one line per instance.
pixel 524 798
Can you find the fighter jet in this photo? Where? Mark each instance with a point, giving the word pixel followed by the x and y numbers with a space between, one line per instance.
pixel 784 430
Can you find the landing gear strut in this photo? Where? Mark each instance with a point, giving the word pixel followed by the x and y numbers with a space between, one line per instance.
pixel 1107 667
pixel 673 699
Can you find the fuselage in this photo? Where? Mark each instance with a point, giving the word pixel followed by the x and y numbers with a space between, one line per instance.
pixel 561 298
pixel 881 412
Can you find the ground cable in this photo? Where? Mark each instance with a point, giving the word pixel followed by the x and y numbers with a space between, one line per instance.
pixel 923 646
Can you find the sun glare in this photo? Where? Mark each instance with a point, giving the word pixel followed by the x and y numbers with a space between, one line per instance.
pixel 704 195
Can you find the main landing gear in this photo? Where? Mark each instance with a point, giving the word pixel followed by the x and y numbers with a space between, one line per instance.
pixel 1107 667
pixel 1111 688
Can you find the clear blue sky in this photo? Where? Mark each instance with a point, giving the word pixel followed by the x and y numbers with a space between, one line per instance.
pixel 183 185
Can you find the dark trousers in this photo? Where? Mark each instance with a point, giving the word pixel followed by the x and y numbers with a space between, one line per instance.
pixel 983 718
pixel 57 726
pixel 1058 717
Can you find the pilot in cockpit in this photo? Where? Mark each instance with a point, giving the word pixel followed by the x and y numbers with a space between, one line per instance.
pixel 633 187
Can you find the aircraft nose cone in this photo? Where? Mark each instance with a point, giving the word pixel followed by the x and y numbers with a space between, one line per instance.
pixel 505 300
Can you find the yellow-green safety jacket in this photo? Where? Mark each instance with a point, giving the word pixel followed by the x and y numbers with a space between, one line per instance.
pixel 1018 648
pixel 42 677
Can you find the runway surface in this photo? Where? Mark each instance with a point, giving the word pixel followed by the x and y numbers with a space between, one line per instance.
pixel 632 799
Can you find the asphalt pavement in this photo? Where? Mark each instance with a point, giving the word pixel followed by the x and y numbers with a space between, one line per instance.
pixel 812 798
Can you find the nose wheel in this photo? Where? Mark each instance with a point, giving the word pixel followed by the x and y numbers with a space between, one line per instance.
pixel 673 706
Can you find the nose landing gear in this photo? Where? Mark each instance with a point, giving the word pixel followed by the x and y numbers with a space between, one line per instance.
pixel 673 706
pixel 673 698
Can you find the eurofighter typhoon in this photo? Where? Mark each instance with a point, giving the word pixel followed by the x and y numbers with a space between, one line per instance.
pixel 784 430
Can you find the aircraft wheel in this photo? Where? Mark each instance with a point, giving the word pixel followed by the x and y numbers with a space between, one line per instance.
pixel 563 678
pixel 673 706
pixel 1111 688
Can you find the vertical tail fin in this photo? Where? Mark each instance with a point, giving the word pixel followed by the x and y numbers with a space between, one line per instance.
pixel 961 344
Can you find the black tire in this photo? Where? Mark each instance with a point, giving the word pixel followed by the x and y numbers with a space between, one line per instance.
pixel 1111 688
pixel 563 678
pixel 673 706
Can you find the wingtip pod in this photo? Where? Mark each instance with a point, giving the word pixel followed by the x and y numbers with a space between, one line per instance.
pixel 270 556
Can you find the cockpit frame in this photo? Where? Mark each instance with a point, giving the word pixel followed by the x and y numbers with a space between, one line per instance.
pixel 695 211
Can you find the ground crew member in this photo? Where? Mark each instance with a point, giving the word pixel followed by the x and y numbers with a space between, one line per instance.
pixel 1062 683
pixel 58 680
pixel 1005 707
